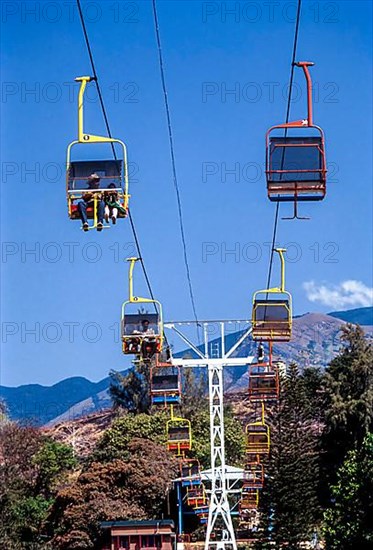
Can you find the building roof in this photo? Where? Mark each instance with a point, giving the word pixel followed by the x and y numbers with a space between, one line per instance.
pixel 156 523
pixel 231 473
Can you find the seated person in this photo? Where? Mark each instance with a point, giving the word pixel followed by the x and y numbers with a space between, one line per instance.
pixel 134 345
pixel 144 328
pixel 148 348
pixel 88 200
pixel 112 205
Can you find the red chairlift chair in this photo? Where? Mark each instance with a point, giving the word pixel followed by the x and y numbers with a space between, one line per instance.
pixel 263 380
pixel 295 161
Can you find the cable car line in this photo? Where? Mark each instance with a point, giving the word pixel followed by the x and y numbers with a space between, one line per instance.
pixel 275 225
pixel 173 162
pixel 137 243
pixel 95 78
pixel 143 334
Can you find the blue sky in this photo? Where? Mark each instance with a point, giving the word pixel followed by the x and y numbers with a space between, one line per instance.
pixel 70 290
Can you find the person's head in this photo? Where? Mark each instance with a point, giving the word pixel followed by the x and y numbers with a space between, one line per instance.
pixel 145 323
pixel 112 186
pixel 93 181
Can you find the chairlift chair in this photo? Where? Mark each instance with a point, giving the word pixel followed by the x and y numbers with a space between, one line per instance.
pixel 142 332
pixel 249 501
pixel 258 437
pixel 272 311
pixel 190 473
pixel 179 434
pixel 165 385
pixel 295 161
pixel 203 515
pixel 263 380
pixel 253 475
pixel 113 174
pixel 196 497
pixel 263 385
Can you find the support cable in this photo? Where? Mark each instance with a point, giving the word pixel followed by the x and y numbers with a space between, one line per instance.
pixel 95 77
pixel 275 224
pixel 173 162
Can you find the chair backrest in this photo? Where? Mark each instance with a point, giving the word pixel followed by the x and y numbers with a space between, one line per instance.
pixel 164 382
pixel 271 310
pixel 178 433
pixel 109 171
pixel 296 159
pixel 134 322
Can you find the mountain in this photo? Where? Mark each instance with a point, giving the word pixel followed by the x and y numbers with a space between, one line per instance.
pixel 100 401
pixel 40 404
pixel 362 316
pixel 315 342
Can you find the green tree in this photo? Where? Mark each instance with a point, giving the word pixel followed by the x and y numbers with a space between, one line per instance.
pixel 120 489
pixel 115 442
pixel 349 519
pixel 289 505
pixel 348 400
pixel 28 514
pixel 131 391
pixel 234 438
pixel 195 392
pixel 53 460
pixel 31 464
pixel 313 383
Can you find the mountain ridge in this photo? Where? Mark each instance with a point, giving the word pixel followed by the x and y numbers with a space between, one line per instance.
pixel 315 342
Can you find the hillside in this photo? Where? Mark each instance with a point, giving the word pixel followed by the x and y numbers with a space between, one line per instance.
pixel 82 433
pixel 362 316
pixel 315 342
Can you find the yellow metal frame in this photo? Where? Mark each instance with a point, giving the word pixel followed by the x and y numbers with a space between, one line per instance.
pixel 84 138
pixel 258 450
pixel 276 290
pixel 139 300
pixel 281 288
pixel 183 423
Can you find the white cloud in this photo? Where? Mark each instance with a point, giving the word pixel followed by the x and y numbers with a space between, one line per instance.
pixel 343 296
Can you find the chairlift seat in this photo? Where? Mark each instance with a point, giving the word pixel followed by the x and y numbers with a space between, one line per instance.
pixel 132 331
pixel 258 441
pixel 190 473
pixel 249 500
pixel 296 168
pixel 263 383
pixel 109 171
pixel 179 436
pixel 165 388
pixel 196 497
pixel 164 383
pixel 271 319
